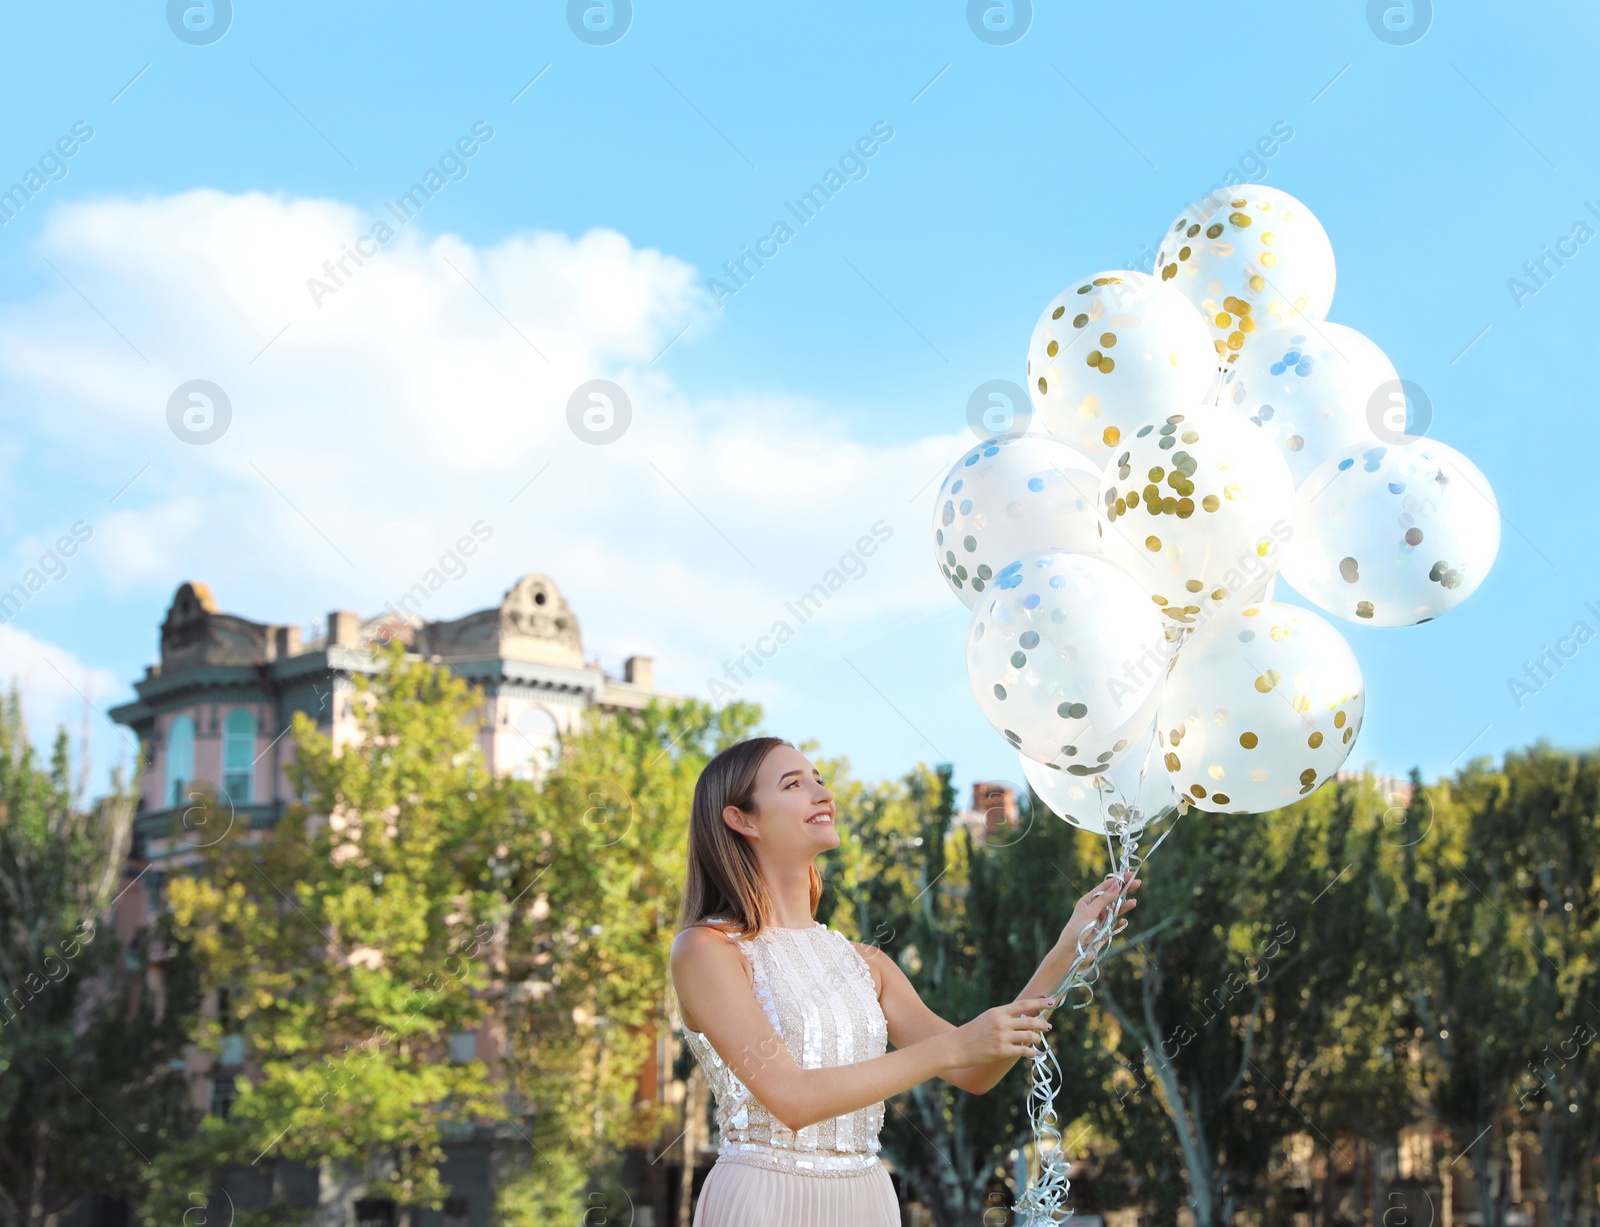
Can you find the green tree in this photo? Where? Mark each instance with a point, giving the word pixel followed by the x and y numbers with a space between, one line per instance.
pixel 1248 988
pixel 414 897
pixel 1550 812
pixel 1469 967
pixel 595 861
pixel 353 945
pixel 87 1095
pixel 969 924
pixel 1507 979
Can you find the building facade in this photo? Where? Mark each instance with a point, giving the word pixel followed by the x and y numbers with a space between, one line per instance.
pixel 213 716
pixel 218 706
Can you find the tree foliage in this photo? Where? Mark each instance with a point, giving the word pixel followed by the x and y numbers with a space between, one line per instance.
pixel 414 897
pixel 969 925
pixel 1244 996
pixel 352 946
pixel 87 1095
pixel 1502 934
pixel 1318 977
pixel 1312 980
pixel 595 859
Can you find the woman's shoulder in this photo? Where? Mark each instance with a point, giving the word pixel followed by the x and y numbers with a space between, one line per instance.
pixel 697 940
pixel 872 956
pixel 704 956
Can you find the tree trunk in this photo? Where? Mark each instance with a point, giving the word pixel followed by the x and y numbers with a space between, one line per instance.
pixel 1377 1185
pixel 36 1179
pixel 694 1112
pixel 1491 1199
pixel 1555 1178
pixel 1203 1189
pixel 952 1195
pixel 1566 1175
pixel 1322 1206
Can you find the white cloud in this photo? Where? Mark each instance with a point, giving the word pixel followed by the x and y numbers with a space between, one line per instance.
pixel 371 431
pixel 56 689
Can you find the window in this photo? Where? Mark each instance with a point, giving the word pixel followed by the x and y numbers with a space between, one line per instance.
pixel 180 759
pixel 464 1047
pixel 222 1094
pixel 238 754
pixel 534 743
pixel 370 1212
pixel 457 1212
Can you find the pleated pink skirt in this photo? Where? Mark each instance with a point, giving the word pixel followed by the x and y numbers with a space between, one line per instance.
pixel 743 1195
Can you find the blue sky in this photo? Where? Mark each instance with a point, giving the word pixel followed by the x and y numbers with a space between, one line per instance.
pixel 771 431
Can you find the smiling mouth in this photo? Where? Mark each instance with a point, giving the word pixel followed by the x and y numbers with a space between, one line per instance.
pixel 820 820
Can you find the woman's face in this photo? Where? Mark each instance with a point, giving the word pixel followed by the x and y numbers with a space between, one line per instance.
pixel 794 812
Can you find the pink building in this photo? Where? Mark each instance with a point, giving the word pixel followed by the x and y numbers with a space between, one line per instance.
pixel 217 710
pixel 218 707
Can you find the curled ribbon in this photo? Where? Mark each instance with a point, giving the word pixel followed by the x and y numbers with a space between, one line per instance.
pixel 1043 1202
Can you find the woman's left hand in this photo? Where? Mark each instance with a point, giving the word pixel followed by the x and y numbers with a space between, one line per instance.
pixel 1093 907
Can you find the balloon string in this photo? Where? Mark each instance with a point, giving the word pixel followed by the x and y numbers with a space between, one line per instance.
pixel 1045 1197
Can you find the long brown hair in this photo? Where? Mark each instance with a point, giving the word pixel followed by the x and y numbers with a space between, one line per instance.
pixel 725 887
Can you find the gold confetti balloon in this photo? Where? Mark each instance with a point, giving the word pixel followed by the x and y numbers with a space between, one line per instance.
pixel 1106 349
pixel 1196 507
pixel 1066 657
pixel 1008 496
pixel 1129 794
pixel 1262 706
pixel 1251 258
pixel 1393 535
pixel 1309 385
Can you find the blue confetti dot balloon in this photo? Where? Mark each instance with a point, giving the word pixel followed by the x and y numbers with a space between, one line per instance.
pixel 1310 387
pixel 1393 535
pixel 1008 496
pixel 1067 655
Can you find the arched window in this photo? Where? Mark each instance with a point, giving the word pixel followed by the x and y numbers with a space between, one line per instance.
pixel 238 754
pixel 180 759
pixel 534 744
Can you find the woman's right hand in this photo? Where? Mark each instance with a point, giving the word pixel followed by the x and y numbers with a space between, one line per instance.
pixel 1005 1032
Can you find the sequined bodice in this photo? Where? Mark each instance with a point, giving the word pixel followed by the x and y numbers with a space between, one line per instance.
pixel 817 991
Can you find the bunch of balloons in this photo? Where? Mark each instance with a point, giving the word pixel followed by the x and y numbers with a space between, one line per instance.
pixel 1204 427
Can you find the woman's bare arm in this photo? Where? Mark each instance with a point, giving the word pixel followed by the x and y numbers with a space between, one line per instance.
pixel 911 1022
pixel 713 988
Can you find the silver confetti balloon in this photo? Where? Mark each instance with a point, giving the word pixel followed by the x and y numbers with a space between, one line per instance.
pixel 1066 656
pixel 1129 794
pixel 1393 535
pixel 1008 496
pixel 1309 387
pixel 1262 706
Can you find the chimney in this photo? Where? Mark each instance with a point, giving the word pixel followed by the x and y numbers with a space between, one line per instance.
pixel 640 670
pixel 344 629
pixel 288 641
pixel 996 803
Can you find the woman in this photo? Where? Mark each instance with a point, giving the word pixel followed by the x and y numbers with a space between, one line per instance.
pixel 790 1019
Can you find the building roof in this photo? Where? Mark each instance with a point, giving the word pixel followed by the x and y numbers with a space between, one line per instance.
pixel 532 636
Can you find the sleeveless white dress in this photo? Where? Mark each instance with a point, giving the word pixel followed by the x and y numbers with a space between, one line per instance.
pixel 818 993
